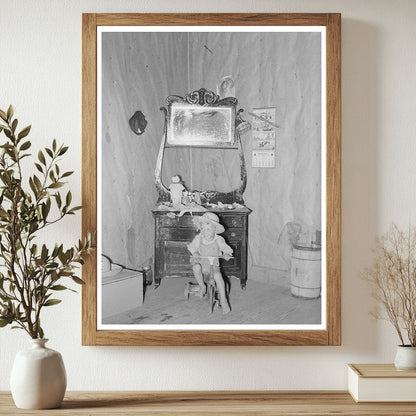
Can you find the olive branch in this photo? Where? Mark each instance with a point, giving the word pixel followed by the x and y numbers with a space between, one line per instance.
pixel 31 273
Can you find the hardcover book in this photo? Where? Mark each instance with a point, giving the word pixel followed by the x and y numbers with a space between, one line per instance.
pixel 381 383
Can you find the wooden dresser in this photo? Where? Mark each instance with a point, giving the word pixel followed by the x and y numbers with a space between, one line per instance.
pixel 173 233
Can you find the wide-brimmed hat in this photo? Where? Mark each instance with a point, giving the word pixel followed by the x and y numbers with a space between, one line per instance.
pixel 211 218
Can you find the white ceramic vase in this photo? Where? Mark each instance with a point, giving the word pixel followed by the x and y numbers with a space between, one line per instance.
pixel 405 358
pixel 38 377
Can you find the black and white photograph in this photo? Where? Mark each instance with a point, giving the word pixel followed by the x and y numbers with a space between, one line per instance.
pixel 211 170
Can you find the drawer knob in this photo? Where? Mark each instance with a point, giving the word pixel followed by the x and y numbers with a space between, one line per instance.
pixel 232 234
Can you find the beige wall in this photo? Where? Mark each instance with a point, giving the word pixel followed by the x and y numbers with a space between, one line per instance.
pixel 41 75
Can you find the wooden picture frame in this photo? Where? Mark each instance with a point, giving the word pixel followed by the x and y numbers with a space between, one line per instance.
pixel 331 333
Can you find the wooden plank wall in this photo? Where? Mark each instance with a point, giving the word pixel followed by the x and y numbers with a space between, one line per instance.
pixel 279 70
pixel 139 72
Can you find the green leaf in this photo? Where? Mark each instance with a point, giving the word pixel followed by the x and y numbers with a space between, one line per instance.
pixel 3 115
pixel 51 302
pixel 76 279
pixel 49 152
pixel 44 253
pixel 62 257
pixel 8 133
pixel 63 150
pixel 39 167
pixel 14 125
pixel 24 132
pixel 59 287
pixel 56 185
pixel 68 199
pixel 5 321
pixel 25 145
pixel 41 157
pixel 40 331
pixel 45 211
pixel 10 112
pixel 72 210
pixel 58 199
pixel 34 226
pixel 67 174
pixel 33 187
pixel 34 249
pixel 54 145
pixel 37 182
pixel 55 251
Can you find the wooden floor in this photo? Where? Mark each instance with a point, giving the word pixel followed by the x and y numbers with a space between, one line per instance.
pixel 212 403
pixel 259 303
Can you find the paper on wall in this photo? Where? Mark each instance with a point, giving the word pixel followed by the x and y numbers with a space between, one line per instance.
pixel 264 137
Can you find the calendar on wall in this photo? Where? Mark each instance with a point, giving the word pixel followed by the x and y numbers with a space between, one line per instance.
pixel 264 137
pixel 263 159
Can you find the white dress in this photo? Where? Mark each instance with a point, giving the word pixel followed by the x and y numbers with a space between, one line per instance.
pixel 201 248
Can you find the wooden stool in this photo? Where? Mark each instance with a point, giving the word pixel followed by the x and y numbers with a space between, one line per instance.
pixel 211 293
pixel 190 287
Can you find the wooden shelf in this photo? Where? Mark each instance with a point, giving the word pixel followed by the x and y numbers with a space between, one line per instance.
pixel 211 403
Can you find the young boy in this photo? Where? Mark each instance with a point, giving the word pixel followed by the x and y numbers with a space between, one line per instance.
pixel 207 243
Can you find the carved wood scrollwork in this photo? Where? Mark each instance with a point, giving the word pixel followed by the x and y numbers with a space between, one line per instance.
pixel 203 97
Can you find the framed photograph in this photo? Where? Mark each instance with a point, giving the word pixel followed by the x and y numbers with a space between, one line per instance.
pixel 194 246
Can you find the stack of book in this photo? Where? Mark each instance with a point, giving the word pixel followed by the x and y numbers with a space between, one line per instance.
pixel 381 383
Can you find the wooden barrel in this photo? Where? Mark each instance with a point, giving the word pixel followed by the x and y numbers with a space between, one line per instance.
pixel 305 273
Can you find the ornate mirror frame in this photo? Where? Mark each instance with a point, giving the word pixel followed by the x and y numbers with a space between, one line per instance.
pixel 206 105
pixel 199 101
pixel 331 335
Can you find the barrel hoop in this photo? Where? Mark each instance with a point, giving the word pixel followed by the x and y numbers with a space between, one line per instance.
pixel 302 258
pixel 303 287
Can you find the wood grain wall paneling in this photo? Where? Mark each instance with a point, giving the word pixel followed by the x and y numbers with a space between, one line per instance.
pixel 139 71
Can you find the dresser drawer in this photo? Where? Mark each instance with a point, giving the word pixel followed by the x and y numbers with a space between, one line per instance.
pixel 176 260
pixel 187 221
pixel 188 234
pixel 235 234
pixel 234 220
pixel 176 257
pixel 176 234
